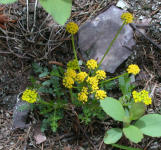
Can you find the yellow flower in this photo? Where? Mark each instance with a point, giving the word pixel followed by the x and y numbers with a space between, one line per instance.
pixel 30 96
pixel 127 17
pixel 82 97
pixel 68 82
pixel 91 64
pixel 85 90
pixel 101 75
pixel 134 69
pixel 100 94
pixel 73 64
pixel 93 81
pixel 94 87
pixel 72 28
pixel 142 96
pixel 81 76
pixel 70 73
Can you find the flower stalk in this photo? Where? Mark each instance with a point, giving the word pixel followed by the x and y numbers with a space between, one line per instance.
pixel 74 50
pixel 112 42
pixel 113 78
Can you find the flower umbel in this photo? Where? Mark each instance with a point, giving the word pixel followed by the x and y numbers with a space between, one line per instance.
pixel 73 64
pixel 134 69
pixel 70 73
pixel 127 17
pixel 82 97
pixel 81 76
pixel 68 82
pixel 30 96
pixel 142 96
pixel 93 82
pixel 91 64
pixel 85 90
pixel 72 28
pixel 100 94
pixel 101 75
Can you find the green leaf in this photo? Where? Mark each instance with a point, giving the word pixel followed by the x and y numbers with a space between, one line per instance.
pixel 133 133
pixel 112 136
pixel 46 83
pixel 113 108
pixel 150 125
pixel 109 85
pixel 136 111
pixel 59 9
pixel 125 147
pixel 37 68
pixel 7 1
pixel 124 84
pixel 44 125
pixel 44 74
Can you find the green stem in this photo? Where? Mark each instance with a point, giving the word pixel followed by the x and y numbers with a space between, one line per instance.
pixel 57 76
pixel 113 78
pixel 75 53
pixel 71 94
pixel 109 47
pixel 44 102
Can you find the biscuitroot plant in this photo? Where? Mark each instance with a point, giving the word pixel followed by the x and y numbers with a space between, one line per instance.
pixel 82 89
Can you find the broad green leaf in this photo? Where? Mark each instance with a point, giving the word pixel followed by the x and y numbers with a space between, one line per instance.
pixel 7 1
pixel 59 9
pixel 133 133
pixel 125 147
pixel 113 108
pixel 112 136
pixel 150 125
pixel 136 111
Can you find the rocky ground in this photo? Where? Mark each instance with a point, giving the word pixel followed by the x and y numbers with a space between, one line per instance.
pixel 39 39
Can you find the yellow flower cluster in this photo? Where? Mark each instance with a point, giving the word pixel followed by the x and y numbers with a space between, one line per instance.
pixel 73 64
pixel 100 74
pixel 85 90
pixel 142 96
pixel 93 81
pixel 91 64
pixel 69 76
pixel 68 82
pixel 127 17
pixel 30 96
pixel 100 94
pixel 81 77
pixel 72 28
pixel 90 83
pixel 82 97
pixel 134 69
pixel 70 73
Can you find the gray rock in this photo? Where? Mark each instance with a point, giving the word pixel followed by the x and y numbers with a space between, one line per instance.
pixel 20 114
pixel 96 35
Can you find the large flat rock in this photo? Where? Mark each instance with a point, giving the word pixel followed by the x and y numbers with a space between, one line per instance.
pixel 96 35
